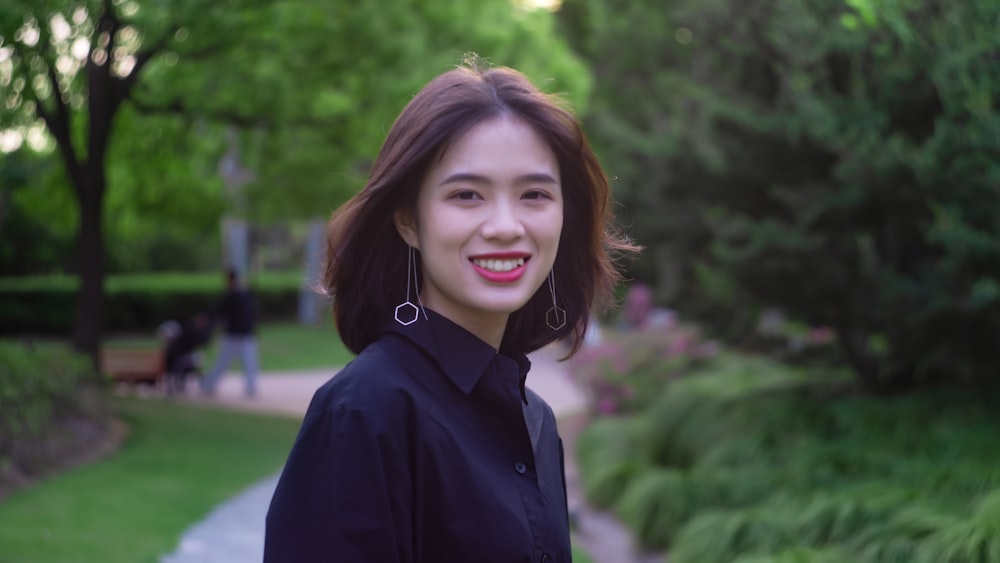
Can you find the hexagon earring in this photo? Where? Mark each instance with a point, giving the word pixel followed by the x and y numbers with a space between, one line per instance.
pixel 406 312
pixel 555 317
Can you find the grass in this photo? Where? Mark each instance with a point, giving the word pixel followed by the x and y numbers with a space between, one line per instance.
pixel 177 463
pixel 292 346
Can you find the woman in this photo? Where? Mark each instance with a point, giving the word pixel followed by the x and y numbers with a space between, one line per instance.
pixel 483 234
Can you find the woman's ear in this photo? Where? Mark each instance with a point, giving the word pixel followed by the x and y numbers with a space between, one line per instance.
pixel 406 226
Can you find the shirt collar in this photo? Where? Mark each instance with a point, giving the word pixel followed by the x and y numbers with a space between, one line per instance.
pixel 461 355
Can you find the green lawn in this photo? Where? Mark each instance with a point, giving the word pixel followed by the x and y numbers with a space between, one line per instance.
pixel 580 556
pixel 177 463
pixel 292 346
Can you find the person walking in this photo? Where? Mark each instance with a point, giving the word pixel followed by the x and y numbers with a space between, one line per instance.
pixel 237 311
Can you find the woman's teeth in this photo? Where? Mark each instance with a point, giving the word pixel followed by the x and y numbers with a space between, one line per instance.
pixel 499 265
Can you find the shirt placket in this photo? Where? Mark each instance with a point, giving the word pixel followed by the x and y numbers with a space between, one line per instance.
pixel 504 391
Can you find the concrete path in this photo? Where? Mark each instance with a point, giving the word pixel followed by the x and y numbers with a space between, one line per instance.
pixel 234 531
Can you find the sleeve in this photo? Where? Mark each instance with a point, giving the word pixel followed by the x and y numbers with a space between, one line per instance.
pixel 344 495
pixel 218 310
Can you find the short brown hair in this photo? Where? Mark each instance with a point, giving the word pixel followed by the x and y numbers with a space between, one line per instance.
pixel 367 259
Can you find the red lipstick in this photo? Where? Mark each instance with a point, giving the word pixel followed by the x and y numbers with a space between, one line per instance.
pixel 507 276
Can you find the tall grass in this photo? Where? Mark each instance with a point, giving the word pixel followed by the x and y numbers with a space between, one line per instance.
pixel 752 460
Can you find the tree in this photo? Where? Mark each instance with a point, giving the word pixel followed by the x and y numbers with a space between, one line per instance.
pixel 73 65
pixel 300 82
pixel 839 160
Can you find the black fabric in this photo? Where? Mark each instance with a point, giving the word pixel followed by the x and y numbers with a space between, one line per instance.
pixel 238 312
pixel 418 451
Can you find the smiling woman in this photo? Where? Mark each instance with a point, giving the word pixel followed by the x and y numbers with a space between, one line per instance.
pixel 487 225
pixel 429 446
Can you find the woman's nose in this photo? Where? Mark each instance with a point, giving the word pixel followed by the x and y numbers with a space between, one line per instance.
pixel 503 222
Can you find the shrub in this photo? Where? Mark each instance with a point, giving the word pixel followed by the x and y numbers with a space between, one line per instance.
pixel 748 458
pixel 45 409
pixel 34 382
pixel 609 459
pixel 836 160
pixel 799 555
pixel 626 371
pixel 654 504
pixel 974 540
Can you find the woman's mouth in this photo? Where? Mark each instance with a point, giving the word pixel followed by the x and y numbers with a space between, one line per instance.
pixel 498 265
pixel 500 269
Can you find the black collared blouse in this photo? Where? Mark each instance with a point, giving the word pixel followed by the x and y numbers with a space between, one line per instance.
pixel 426 448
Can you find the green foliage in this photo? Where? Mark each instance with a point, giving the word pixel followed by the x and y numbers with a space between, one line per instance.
pixel 798 555
pixel 36 380
pixel 163 115
pixel 974 540
pixel 626 371
pixel 654 504
pixel 834 160
pixel 747 458
pixel 157 223
pixel 347 97
pixel 35 233
pixel 307 87
pixel 47 410
pixel 607 452
pixel 305 92
pixel 135 303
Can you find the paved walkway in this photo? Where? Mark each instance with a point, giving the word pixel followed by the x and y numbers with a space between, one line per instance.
pixel 234 531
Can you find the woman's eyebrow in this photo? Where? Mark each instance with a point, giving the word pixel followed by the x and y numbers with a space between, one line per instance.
pixel 532 178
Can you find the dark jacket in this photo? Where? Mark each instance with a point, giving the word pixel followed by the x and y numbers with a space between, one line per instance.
pixel 426 448
pixel 238 312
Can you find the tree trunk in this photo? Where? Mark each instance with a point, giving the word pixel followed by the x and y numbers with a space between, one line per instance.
pixel 89 321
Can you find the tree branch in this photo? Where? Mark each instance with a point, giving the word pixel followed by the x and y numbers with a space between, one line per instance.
pixel 57 120
pixel 104 95
pixel 142 58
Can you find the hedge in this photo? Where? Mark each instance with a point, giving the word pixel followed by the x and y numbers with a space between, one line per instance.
pixel 46 305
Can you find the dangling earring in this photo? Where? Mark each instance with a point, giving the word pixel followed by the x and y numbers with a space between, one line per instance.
pixel 411 271
pixel 555 317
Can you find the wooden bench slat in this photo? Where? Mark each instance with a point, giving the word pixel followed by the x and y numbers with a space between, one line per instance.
pixel 132 365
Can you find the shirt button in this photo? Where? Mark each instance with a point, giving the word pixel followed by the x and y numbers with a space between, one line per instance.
pixel 546 558
pixel 520 468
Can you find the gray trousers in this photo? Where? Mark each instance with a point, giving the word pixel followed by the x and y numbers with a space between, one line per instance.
pixel 244 347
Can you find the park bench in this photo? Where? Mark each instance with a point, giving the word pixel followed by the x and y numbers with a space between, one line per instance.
pixel 133 365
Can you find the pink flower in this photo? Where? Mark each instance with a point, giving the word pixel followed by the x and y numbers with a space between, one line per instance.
pixel 607 406
pixel 821 335
pixel 680 345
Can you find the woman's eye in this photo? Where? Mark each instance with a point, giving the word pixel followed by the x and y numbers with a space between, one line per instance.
pixel 536 194
pixel 466 195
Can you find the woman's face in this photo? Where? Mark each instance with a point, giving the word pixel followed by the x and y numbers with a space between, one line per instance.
pixel 489 216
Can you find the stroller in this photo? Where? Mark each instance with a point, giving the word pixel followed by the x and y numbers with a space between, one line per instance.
pixel 181 344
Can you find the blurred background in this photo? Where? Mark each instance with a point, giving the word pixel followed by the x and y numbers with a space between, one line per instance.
pixel 805 362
